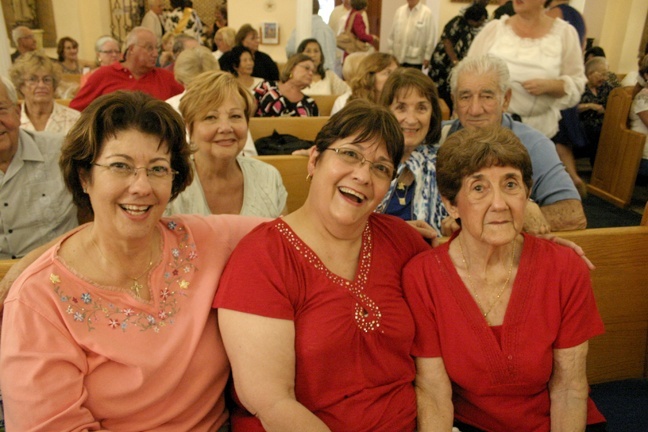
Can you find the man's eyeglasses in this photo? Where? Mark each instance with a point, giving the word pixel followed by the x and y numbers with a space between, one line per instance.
pixel 113 52
pixel 148 48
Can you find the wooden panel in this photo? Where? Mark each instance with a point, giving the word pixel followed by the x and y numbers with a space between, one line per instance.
pixel 293 170
pixel 325 103
pixel 619 152
pixel 620 284
pixel 303 127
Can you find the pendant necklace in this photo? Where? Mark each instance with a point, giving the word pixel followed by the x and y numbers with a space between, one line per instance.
pixel 136 286
pixel 508 278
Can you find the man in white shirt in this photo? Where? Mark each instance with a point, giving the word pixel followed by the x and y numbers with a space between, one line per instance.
pixel 412 37
pixel 153 18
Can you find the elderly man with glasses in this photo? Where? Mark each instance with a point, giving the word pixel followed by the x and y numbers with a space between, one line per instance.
pixel 136 72
pixel 35 205
pixel 25 41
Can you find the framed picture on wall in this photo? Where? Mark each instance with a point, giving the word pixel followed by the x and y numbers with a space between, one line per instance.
pixel 270 33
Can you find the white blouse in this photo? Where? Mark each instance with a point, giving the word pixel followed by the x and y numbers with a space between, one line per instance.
pixel 556 55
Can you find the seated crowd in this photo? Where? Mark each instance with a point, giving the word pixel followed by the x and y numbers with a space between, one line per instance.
pixel 139 212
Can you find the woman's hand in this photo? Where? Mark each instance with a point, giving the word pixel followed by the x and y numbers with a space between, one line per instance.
pixel 448 226
pixel 570 244
pixel 551 87
pixel 425 230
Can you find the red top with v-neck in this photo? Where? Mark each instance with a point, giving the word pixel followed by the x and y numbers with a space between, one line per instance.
pixel 502 385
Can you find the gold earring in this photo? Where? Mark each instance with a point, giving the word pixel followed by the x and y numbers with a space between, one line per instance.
pixel 309 177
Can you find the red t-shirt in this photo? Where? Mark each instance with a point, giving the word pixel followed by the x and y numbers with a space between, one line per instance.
pixel 352 338
pixel 503 385
pixel 159 83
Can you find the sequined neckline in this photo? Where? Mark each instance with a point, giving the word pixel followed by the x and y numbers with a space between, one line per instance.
pixel 367 314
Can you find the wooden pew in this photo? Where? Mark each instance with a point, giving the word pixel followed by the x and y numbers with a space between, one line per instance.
pixel 620 284
pixel 293 173
pixel 303 127
pixel 325 103
pixel 619 152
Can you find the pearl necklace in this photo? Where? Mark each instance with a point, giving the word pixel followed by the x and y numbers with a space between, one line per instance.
pixel 472 288
pixel 136 286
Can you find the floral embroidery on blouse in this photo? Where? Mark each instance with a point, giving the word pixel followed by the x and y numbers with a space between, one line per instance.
pixel 93 310
pixel 367 314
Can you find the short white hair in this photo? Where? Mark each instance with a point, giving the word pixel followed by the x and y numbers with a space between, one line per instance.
pixel 18 33
pixel 482 65
pixel 11 90
pixel 133 36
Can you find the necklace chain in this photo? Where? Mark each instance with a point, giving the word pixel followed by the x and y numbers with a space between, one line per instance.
pixel 135 286
pixel 472 288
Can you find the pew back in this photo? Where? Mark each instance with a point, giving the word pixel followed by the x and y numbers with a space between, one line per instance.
pixel 303 127
pixel 293 170
pixel 619 152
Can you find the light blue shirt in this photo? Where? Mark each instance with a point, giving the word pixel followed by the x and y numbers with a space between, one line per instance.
pixel 324 35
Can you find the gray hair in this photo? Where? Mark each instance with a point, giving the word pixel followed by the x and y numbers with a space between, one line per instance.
pixel 595 63
pixel 18 33
pixel 11 90
pixel 192 62
pixel 102 40
pixel 482 65
pixel 133 36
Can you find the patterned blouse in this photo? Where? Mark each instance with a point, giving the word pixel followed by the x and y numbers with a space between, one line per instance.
pixel 461 34
pixel 271 103
pixel 591 118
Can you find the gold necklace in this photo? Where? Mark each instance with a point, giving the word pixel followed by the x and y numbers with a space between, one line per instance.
pixel 135 286
pixel 508 278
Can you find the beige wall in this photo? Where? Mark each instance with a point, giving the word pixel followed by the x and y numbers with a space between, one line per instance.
pixel 254 12
pixel 616 25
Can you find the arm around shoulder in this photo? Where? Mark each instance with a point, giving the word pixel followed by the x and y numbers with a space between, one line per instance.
pixel 565 215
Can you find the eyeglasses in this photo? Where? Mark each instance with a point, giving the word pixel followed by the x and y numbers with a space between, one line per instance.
pixel 124 171
pixel 147 47
pixel 34 80
pixel 308 68
pixel 112 52
pixel 381 170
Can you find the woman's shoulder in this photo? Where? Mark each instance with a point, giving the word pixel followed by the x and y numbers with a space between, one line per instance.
pixel 558 255
pixel 255 167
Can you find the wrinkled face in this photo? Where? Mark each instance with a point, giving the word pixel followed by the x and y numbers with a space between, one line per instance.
pixel 381 77
pixel 251 42
pixel 246 65
pixel 129 206
pixel 414 114
pixel 346 193
pixel 157 7
pixel 28 42
pixel 38 87
pixel 597 77
pixel 221 132
pixel 313 51
pixel 479 102
pixel 302 73
pixel 491 204
pixel 70 51
pixel 9 123
pixel 143 54
pixel 109 53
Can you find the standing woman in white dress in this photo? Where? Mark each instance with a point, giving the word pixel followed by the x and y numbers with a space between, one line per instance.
pixel 544 58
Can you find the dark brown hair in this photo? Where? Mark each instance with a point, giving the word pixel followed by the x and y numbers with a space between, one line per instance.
pixel 120 111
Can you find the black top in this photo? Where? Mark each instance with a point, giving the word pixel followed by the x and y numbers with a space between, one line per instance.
pixel 264 66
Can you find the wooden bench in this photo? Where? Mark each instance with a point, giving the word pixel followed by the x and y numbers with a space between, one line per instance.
pixel 293 170
pixel 620 284
pixel 303 127
pixel 325 103
pixel 619 152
